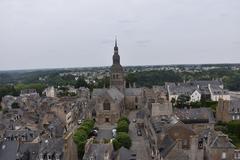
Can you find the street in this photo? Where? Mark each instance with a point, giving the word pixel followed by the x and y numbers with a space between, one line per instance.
pixel 139 144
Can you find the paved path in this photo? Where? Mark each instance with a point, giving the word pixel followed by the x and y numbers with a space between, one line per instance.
pixel 105 132
pixel 139 144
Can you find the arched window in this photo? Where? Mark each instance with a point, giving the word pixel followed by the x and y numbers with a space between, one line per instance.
pixel 106 105
pixel 94 113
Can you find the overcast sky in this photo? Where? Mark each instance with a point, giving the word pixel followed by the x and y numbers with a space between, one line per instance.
pixel 79 33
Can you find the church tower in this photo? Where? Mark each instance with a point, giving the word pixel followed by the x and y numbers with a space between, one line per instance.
pixel 117 73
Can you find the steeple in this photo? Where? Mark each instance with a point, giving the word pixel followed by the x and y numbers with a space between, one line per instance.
pixel 117 73
pixel 116 46
pixel 116 57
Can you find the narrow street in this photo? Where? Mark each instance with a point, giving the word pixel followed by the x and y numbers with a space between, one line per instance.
pixel 139 145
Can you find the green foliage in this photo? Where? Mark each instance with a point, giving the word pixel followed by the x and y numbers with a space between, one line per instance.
pixel 38 86
pixel 81 135
pixel 122 139
pixel 124 119
pixel 231 128
pixel 81 83
pixel 122 126
pixel 182 101
pixel 208 104
pixel 234 128
pixel 7 90
pixel 116 145
pixel 233 82
pixel 101 83
pixel 150 78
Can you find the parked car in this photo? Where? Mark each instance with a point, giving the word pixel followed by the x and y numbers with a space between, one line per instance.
pixel 139 132
pixel 94 133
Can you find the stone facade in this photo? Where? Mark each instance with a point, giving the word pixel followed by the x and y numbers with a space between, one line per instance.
pixel 228 110
pixel 117 73
pixel 109 104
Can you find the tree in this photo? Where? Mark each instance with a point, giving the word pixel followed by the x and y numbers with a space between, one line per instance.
pixel 122 139
pixel 124 119
pixel 122 126
pixel 81 135
pixel 182 100
pixel 81 83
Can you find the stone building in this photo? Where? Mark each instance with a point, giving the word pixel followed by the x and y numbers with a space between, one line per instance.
pixel 117 73
pixel 228 110
pixel 197 119
pixel 107 105
pixel 216 145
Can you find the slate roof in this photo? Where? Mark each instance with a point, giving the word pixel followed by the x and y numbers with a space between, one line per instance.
pixel 216 90
pixel 222 141
pixel 216 139
pixel 183 89
pixel 97 151
pixel 28 151
pixel 12 150
pixel 205 83
pixel 140 114
pixel 52 145
pixel 27 134
pixel 126 154
pixel 166 145
pixel 8 150
pixel 133 92
pixel 159 123
pixel 178 155
pixel 113 93
pixel 195 115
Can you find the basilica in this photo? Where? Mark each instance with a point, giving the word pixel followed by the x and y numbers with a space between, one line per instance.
pixel 109 104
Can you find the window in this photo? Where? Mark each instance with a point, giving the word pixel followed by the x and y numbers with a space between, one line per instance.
pixel 106 105
pixel 94 113
pixel 136 99
pixel 224 155
pixel 233 117
pixel 107 120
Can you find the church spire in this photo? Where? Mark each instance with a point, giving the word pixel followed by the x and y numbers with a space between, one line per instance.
pixel 115 41
pixel 116 57
pixel 116 46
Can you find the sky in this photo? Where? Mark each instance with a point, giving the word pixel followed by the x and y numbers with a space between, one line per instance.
pixel 80 33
